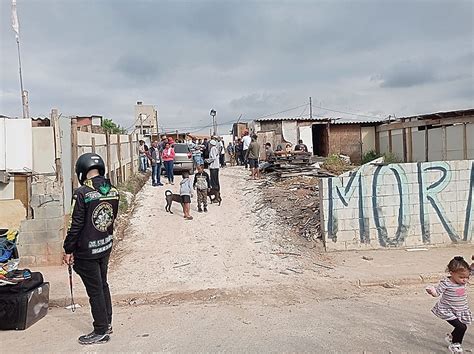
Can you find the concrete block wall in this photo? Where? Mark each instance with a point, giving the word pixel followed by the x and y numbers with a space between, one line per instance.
pixel 399 205
pixel 40 238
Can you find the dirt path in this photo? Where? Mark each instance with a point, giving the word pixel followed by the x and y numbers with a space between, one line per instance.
pixel 221 249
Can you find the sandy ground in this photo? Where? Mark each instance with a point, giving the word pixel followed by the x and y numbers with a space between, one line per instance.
pixel 384 322
pixel 221 249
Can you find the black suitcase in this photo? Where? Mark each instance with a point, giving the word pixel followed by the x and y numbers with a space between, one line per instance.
pixel 21 310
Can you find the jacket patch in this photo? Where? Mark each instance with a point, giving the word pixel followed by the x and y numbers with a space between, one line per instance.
pixel 103 216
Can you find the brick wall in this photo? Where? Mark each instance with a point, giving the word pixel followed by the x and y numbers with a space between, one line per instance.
pixel 40 238
pixel 399 205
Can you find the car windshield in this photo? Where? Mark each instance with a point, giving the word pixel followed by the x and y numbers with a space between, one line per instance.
pixel 181 148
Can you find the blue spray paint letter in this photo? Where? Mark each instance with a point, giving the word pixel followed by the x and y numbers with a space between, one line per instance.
pixel 428 194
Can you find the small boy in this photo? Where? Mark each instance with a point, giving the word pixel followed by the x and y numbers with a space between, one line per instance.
pixel 202 184
pixel 186 192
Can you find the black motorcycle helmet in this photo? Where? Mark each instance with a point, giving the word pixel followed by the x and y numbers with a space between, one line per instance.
pixel 87 162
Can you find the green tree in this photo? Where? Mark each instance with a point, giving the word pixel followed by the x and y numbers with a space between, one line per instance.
pixel 113 128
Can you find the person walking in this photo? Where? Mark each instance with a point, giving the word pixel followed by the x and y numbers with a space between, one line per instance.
pixel 168 160
pixel 238 152
pixel 89 238
pixel 142 156
pixel 202 185
pixel 221 146
pixel 214 165
pixel 155 157
pixel 246 140
pixel 253 154
pixel 231 152
pixel 452 305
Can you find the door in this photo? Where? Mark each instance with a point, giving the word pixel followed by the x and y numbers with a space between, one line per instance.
pixel 306 134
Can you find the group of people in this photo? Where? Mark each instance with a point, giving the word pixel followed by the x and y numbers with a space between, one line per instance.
pixel 159 154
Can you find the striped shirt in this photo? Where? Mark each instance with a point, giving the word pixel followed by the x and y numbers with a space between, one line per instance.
pixel 453 302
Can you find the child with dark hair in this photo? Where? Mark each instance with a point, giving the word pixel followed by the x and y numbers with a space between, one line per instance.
pixel 452 305
pixel 186 192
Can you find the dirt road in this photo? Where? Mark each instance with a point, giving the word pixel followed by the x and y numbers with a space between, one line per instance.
pixel 222 249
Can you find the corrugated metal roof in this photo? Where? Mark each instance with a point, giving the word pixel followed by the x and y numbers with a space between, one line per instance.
pixel 338 120
pixel 438 115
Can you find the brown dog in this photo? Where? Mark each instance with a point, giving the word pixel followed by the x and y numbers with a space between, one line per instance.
pixel 215 196
pixel 170 198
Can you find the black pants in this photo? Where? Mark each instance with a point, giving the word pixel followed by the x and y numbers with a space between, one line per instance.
pixel 215 178
pixel 244 158
pixel 459 330
pixel 93 273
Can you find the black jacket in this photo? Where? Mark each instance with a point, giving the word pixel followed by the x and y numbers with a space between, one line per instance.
pixel 94 209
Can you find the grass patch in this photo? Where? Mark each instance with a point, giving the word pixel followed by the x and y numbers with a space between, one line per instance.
pixel 389 157
pixel 129 189
pixel 336 164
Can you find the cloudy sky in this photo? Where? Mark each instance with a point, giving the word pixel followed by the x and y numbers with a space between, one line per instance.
pixel 371 57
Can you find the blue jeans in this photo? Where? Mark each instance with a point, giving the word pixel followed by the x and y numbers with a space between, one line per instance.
pixel 156 174
pixel 169 170
pixel 143 163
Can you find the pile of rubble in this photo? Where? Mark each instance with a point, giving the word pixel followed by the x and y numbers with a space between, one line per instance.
pixel 295 201
pixel 294 165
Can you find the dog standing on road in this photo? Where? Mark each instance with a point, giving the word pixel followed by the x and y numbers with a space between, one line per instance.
pixel 170 198
pixel 215 196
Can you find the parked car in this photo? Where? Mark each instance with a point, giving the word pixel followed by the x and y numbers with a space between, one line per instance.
pixel 183 160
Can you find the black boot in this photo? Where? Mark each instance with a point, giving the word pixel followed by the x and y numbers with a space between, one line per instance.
pixel 205 208
pixel 94 338
pixel 199 209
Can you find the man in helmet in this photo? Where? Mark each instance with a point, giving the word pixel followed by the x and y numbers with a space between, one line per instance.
pixel 89 240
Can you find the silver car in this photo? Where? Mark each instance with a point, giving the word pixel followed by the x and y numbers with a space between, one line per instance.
pixel 183 160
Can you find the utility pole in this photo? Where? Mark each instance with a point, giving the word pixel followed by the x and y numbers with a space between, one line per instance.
pixel 141 123
pixel 310 108
pixel 156 119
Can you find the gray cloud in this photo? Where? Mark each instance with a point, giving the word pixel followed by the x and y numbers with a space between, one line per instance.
pixel 250 57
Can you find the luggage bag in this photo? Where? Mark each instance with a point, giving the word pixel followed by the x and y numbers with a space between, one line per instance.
pixel 20 310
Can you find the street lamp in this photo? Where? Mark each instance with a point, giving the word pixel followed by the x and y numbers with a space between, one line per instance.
pixel 214 125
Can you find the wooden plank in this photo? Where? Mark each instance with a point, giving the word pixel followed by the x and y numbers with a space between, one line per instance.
pixel 130 142
pixel 410 144
pixel 377 142
pixel 464 141
pixel 422 123
pixel 109 170
pixel 20 188
pixel 74 153
pixel 444 143
pixel 404 144
pixel 119 156
pixel 426 144
pixel 390 146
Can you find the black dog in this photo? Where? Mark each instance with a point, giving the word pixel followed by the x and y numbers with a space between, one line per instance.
pixel 170 198
pixel 216 194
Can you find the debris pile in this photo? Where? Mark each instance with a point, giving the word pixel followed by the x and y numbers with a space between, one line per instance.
pixel 296 203
pixel 289 165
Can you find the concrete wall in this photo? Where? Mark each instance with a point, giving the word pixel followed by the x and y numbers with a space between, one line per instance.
pixel 43 150
pixel 399 205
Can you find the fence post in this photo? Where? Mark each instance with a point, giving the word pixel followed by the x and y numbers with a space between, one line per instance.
pixel 426 144
pixel 74 153
pixel 93 144
pixel 464 141
pixel 119 156
pixel 130 142
pixel 107 147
